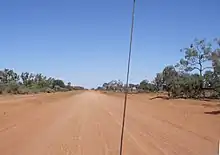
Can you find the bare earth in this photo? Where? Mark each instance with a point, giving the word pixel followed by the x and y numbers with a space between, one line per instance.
pixel 88 123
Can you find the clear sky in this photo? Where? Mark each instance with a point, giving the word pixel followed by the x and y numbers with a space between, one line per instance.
pixel 86 41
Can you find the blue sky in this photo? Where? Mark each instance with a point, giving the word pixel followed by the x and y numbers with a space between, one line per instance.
pixel 86 41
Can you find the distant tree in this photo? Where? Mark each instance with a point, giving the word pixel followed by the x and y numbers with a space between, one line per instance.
pixel 24 77
pixel 69 86
pixel 50 82
pixel 158 81
pixel 143 85
pixel 169 76
pixel 99 88
pixel 1 76
pixel 105 86
pixel 78 88
pixel 12 87
pixel 40 81
pixel 8 75
pixel 59 83
pixel 216 58
pixel 146 86
pixel 196 57
pixel 191 86
pixel 115 85
pixel 30 83
pixel 209 79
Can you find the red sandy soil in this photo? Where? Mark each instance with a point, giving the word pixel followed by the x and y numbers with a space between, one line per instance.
pixel 88 123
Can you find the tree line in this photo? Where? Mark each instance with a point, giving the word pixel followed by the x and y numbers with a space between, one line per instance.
pixel 196 75
pixel 26 83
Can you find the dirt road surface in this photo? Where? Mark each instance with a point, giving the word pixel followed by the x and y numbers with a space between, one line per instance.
pixel 88 123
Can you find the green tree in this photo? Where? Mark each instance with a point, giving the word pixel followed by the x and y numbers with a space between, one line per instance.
pixel 69 87
pixel 143 85
pixel 192 86
pixel 50 82
pixel 105 86
pixel 30 83
pixel 1 76
pixel 40 81
pixel 158 81
pixel 59 83
pixel 146 86
pixel 216 57
pixel 209 79
pixel 169 76
pixel 196 56
pixel 8 75
pixel 24 77
pixel 69 84
pixel 27 78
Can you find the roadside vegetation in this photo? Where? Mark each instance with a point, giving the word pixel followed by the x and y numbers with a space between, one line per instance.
pixel 196 75
pixel 28 83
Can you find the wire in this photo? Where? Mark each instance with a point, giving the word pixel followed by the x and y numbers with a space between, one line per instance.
pixel 127 80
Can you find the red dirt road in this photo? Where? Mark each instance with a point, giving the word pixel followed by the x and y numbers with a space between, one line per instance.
pixel 88 123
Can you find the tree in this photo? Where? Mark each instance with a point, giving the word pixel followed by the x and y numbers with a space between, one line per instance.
pixel 69 87
pixel 59 83
pixel 209 79
pixel 169 75
pixel 50 82
pixel 146 86
pixel 115 85
pixel 105 86
pixel 196 57
pixel 40 81
pixel 98 88
pixel 24 77
pixel 158 81
pixel 27 78
pixel 8 75
pixel 69 84
pixel 143 85
pixel 1 76
pixel 30 83
pixel 216 57
pixel 191 86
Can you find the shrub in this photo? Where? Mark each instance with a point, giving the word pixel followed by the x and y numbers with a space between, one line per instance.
pixel 2 88
pixel 12 88
pixel 24 90
pixel 48 90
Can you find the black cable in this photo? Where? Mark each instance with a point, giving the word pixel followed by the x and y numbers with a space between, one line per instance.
pixel 127 80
